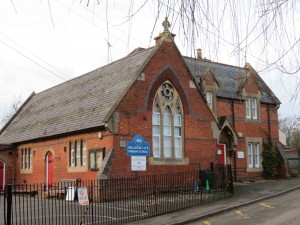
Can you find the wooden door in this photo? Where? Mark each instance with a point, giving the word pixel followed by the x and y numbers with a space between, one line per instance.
pixel 222 153
pixel 49 168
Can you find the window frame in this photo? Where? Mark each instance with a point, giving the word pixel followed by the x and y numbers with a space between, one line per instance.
pixel 157 136
pixel 95 151
pixel 251 108
pixel 77 158
pixel 253 155
pixel 26 159
pixel 167 107
pixel 209 99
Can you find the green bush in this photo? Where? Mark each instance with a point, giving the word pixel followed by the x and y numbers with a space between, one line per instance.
pixel 270 161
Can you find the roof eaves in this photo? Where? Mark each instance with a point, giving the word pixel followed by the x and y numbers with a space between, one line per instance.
pixel 47 137
pixel 199 88
pixel 117 102
pixel 17 112
pixel 258 79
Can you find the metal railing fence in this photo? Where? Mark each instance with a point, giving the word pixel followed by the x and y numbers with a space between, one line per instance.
pixel 112 201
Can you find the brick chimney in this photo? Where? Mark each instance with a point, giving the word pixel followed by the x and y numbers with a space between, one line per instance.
pixel 199 53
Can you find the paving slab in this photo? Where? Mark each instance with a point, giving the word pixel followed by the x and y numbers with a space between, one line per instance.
pixel 244 194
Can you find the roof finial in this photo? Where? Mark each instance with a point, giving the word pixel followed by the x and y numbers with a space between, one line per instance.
pixel 166 24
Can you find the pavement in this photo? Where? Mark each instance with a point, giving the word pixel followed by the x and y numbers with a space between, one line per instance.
pixel 244 194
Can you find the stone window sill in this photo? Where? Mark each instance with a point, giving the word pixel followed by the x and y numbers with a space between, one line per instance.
pixel 159 162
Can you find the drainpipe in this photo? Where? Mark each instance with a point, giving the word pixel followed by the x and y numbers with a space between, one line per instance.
pixel 234 162
pixel 269 123
pixel 233 124
pixel 232 113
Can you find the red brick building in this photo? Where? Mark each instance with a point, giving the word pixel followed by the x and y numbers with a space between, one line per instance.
pixel 193 112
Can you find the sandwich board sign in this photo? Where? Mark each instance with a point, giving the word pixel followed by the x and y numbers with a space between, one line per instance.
pixel 70 196
pixel 83 198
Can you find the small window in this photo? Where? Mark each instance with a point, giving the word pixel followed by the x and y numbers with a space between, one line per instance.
pixel 254 108
pixel 167 133
pixel 209 99
pixel 251 108
pixel 23 159
pixel 156 132
pixel 72 153
pixel 248 110
pixel 83 153
pixel 77 153
pixel 26 159
pixel 96 158
pixel 253 155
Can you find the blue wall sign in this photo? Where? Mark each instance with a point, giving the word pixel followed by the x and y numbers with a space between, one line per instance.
pixel 138 147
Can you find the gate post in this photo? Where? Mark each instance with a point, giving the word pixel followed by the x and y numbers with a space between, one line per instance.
pixel 9 203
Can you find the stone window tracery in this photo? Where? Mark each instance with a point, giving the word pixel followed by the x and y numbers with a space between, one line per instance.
pixel 167 123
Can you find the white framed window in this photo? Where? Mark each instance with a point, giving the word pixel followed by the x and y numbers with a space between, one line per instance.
pixel 248 110
pixel 254 108
pixel 83 153
pixel 209 99
pixel 251 108
pixel 96 158
pixel 77 153
pixel 23 159
pixel 156 132
pixel 26 158
pixel 167 137
pixel 72 153
pixel 253 155
pixel 177 134
pixel 167 119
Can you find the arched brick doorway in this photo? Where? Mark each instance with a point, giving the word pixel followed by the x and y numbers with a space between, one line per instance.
pixel 225 146
pixel 49 168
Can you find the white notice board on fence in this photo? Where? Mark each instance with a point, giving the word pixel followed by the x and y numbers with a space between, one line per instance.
pixel 83 198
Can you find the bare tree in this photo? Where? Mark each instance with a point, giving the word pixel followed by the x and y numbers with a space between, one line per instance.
pixel 240 24
pixel 264 31
pixel 290 126
pixel 15 105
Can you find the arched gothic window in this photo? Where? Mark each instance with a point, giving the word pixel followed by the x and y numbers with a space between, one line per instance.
pixel 167 123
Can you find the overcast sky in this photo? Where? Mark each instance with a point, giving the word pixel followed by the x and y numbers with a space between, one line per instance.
pixel 42 45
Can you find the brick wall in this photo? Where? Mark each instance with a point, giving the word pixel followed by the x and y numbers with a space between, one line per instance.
pixel 136 115
pixel 60 157
pixel 8 156
pixel 248 128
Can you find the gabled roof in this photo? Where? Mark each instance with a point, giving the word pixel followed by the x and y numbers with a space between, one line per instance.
pixel 208 72
pixel 87 101
pixel 79 104
pixel 230 79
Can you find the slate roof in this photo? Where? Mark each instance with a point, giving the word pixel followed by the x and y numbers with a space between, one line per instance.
pixel 229 78
pixel 86 101
pixel 78 104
